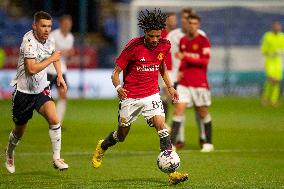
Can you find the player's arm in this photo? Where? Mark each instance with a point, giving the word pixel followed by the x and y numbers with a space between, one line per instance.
pixel 165 75
pixel 266 48
pixel 33 67
pixel 189 58
pixel 122 93
pixel 60 80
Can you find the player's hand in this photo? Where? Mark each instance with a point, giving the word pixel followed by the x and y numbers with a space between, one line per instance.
pixel 122 93
pixel 179 55
pixel 174 94
pixel 55 56
pixel 61 83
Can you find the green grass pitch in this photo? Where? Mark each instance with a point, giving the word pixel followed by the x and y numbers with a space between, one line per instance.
pixel 248 138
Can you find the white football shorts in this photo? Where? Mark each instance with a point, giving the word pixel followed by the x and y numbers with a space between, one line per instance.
pixel 194 96
pixel 131 108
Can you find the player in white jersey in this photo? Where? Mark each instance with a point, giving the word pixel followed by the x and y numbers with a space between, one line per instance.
pixel 64 41
pixel 31 88
pixel 174 37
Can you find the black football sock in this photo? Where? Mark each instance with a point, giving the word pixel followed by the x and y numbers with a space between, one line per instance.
pixel 208 131
pixel 165 142
pixel 110 140
pixel 174 131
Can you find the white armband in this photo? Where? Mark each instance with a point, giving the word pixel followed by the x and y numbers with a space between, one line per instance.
pixel 117 87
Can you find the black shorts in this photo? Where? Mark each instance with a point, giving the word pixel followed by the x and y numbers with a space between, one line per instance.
pixel 53 79
pixel 24 105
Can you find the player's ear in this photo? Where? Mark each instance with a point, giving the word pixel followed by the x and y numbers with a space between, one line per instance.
pixel 34 26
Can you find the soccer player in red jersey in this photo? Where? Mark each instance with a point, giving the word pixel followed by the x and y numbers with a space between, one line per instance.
pixel 193 86
pixel 141 61
pixel 171 24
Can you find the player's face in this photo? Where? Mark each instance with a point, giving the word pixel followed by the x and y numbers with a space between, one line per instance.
pixel 193 26
pixel 66 25
pixel 184 21
pixel 171 22
pixel 276 27
pixel 152 37
pixel 42 29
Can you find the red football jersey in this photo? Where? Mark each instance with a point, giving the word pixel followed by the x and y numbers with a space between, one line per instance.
pixel 194 64
pixel 140 67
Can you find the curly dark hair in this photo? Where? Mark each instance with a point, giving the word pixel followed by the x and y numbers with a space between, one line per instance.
pixel 152 20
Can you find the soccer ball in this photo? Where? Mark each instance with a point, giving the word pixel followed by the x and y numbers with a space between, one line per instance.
pixel 168 161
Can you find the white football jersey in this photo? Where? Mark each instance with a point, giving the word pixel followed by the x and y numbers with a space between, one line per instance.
pixel 33 49
pixel 174 37
pixel 61 43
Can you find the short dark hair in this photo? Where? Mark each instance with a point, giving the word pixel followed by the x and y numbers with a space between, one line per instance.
pixel 171 14
pixel 65 16
pixel 194 16
pixel 41 15
pixel 154 20
pixel 187 10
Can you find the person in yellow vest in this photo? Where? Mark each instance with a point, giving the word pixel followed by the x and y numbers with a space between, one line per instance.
pixel 2 58
pixel 271 47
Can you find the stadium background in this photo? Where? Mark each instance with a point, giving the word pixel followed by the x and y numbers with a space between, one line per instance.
pixel 103 27
pixel 248 138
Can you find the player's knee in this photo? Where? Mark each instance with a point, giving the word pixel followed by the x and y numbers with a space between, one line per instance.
pixel 53 120
pixel 206 118
pixel 178 118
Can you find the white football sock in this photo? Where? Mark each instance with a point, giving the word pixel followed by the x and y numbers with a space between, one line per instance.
pixel 180 135
pixel 55 138
pixel 61 108
pixel 13 142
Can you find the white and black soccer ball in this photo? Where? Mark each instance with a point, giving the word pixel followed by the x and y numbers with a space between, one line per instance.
pixel 168 161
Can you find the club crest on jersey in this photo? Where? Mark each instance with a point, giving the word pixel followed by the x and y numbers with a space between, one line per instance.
pixel 195 46
pixel 142 59
pixel 160 56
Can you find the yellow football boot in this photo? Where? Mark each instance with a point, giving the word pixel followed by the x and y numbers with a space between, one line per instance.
pixel 176 177
pixel 98 155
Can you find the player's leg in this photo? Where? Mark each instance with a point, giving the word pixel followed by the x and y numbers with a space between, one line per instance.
pixel 205 128
pixel 267 88
pixel 275 93
pixel 165 144
pixel 128 112
pixel 22 111
pixel 178 118
pixel 62 101
pixel 46 107
pixel 154 114
pixel 14 138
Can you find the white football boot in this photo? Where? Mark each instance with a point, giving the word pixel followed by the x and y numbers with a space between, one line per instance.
pixel 206 147
pixel 9 164
pixel 60 164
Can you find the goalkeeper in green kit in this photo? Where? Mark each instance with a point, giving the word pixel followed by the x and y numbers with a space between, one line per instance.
pixel 271 48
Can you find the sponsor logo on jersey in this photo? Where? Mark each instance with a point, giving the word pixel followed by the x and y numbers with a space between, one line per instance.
pixel 160 56
pixel 147 68
pixel 195 47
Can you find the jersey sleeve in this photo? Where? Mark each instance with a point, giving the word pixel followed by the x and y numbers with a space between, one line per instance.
pixel 206 48
pixel 29 49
